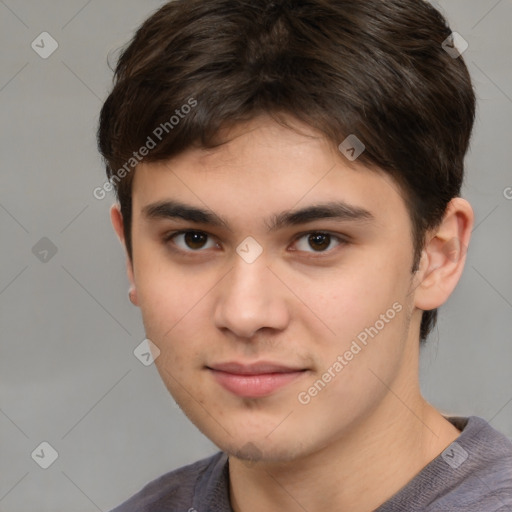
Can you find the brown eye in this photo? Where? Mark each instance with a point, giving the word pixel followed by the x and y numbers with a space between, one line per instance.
pixel 319 241
pixel 195 240
pixel 191 241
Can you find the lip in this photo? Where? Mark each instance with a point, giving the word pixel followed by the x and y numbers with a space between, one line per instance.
pixel 254 380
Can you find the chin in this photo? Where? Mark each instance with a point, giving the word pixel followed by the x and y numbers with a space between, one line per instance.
pixel 252 453
pixel 264 450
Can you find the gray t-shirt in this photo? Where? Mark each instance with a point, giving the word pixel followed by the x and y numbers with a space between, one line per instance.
pixel 474 474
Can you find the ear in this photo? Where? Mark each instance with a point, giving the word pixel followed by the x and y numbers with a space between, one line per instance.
pixel 117 222
pixel 444 256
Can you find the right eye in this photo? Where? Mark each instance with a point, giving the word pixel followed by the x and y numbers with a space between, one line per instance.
pixel 190 241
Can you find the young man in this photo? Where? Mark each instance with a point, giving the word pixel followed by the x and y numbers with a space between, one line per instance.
pixel 288 176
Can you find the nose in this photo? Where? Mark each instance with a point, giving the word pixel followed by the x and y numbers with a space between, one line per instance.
pixel 251 298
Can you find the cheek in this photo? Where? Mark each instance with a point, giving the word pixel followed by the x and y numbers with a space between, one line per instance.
pixel 366 310
pixel 170 298
pixel 348 300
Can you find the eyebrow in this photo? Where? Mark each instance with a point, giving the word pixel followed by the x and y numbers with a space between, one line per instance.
pixel 337 210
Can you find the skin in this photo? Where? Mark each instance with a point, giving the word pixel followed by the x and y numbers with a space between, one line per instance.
pixel 368 431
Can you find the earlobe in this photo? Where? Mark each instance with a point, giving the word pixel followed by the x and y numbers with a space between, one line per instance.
pixel 444 256
pixel 132 294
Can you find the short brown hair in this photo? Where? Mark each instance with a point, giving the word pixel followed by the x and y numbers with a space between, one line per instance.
pixel 373 68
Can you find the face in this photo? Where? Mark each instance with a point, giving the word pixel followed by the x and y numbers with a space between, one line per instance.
pixel 275 278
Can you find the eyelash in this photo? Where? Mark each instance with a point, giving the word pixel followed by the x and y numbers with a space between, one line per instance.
pixel 341 241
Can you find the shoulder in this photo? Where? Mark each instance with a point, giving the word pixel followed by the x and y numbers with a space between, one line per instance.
pixel 178 489
pixel 472 474
pixel 477 469
pixel 488 454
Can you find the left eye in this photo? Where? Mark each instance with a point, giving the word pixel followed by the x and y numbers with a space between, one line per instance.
pixel 192 241
pixel 319 242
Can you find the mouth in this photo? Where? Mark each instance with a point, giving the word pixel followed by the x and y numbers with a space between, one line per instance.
pixel 254 380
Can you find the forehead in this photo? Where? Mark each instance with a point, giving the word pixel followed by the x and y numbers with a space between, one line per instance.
pixel 263 167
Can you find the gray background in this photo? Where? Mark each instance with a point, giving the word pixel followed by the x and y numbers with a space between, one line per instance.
pixel 68 331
